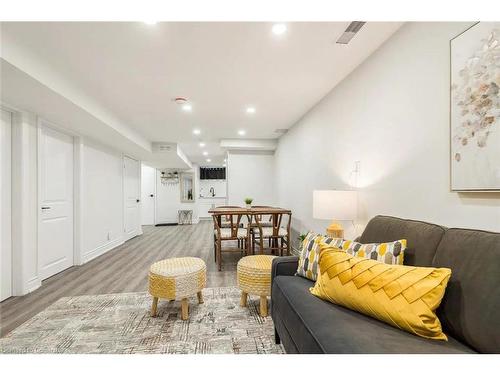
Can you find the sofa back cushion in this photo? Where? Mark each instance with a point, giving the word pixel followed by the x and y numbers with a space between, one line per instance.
pixel 470 310
pixel 422 239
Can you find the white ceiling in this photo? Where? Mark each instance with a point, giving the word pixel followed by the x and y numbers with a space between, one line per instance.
pixel 134 70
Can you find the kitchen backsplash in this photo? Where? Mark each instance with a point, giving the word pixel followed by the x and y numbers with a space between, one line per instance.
pixel 219 186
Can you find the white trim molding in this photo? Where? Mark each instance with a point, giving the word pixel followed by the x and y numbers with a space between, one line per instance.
pixel 99 250
pixel 24 204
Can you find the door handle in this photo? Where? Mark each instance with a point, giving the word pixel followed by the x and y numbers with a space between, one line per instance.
pixel 46 208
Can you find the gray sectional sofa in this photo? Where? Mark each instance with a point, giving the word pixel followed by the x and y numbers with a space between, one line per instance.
pixel 469 312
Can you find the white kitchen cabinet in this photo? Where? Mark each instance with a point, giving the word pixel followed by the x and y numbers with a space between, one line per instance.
pixel 206 204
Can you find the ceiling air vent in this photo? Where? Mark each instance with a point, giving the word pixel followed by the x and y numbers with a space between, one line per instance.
pixel 281 131
pixel 349 33
pixel 162 147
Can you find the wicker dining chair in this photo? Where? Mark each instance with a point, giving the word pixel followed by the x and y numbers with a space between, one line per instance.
pixel 235 232
pixel 265 220
pixel 224 223
pixel 262 218
pixel 277 236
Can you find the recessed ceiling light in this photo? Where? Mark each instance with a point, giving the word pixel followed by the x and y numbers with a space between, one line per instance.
pixel 196 131
pixel 209 160
pixel 250 109
pixel 201 144
pixel 205 153
pixel 279 28
pixel 242 132
pixel 187 107
pixel 150 22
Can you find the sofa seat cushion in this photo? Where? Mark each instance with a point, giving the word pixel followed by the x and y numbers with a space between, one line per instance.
pixel 226 233
pixel 317 326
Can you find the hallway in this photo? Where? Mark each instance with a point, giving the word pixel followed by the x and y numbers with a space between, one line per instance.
pixel 123 269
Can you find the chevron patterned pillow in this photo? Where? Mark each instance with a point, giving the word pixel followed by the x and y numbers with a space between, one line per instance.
pixel 403 296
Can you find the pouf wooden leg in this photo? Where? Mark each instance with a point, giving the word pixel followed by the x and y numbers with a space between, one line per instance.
pixel 263 306
pixel 243 299
pixel 184 309
pixel 154 306
pixel 200 297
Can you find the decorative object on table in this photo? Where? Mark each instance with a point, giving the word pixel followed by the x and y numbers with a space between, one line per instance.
pixel 404 296
pixel 248 202
pixel 302 237
pixel 121 324
pixel 177 279
pixel 169 177
pixel 254 278
pixel 300 241
pixel 185 217
pixel 475 108
pixel 309 256
pixel 341 205
pixel 187 187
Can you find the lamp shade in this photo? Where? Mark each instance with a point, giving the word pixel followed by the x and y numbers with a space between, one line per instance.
pixel 335 204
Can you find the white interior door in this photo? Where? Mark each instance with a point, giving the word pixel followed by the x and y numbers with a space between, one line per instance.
pixel 148 195
pixel 132 196
pixel 55 229
pixel 5 206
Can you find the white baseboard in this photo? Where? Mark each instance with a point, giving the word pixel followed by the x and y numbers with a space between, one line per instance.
pixel 89 255
pixel 28 287
pixel 32 285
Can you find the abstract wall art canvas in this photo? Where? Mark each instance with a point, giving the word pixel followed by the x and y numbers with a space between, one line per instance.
pixel 475 108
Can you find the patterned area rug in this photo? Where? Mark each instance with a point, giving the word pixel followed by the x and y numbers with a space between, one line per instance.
pixel 121 323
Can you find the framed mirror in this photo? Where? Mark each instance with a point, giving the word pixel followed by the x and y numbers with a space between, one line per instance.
pixel 187 187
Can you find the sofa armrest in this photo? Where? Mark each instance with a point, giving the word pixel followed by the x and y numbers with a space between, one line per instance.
pixel 286 266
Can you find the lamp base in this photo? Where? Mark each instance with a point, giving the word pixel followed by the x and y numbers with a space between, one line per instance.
pixel 335 230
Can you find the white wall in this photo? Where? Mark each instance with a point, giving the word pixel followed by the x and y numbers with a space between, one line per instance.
pixel 391 114
pixel 99 184
pixel 102 200
pixel 168 199
pixel 251 174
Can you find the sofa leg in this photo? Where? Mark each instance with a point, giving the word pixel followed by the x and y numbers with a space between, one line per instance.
pixel 277 339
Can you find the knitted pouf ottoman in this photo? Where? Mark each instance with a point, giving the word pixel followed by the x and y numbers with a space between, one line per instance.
pixel 254 277
pixel 177 279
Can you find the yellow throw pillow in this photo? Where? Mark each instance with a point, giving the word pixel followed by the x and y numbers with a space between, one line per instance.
pixel 403 296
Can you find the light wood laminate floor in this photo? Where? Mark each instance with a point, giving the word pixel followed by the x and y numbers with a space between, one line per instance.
pixel 123 269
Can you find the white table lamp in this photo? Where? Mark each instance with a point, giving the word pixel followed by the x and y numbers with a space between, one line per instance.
pixel 336 205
